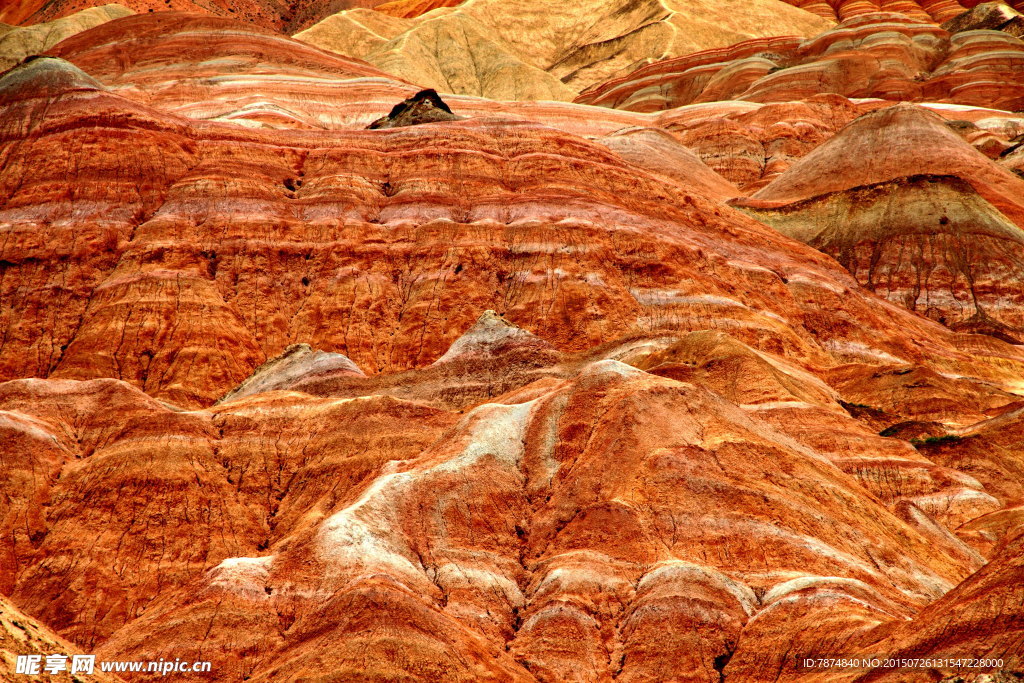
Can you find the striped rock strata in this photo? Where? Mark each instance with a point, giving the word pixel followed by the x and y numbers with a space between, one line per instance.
pixel 362 257
pixel 512 394
pixel 914 212
pixel 539 49
pixel 887 56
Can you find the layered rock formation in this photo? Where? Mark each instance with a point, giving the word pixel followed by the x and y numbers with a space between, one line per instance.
pixel 751 144
pixel 933 10
pixel 210 68
pixel 287 16
pixel 888 56
pixel 298 15
pixel 315 374
pixel 943 232
pixel 24 41
pixel 138 279
pixel 978 618
pixel 535 49
pixel 582 525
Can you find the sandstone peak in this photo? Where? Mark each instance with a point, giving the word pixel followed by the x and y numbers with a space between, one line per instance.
pixel 490 334
pixel 42 75
pixel 296 363
pixel 893 142
pixel 426 106
pixel 491 319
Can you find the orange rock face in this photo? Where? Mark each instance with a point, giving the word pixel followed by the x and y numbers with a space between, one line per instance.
pixel 278 15
pixel 912 211
pixel 933 10
pixel 414 8
pixel 886 56
pixel 711 373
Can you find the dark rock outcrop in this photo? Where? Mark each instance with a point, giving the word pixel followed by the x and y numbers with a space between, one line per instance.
pixel 426 106
pixel 994 16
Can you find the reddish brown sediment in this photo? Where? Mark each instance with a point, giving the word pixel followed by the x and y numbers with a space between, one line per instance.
pixel 284 16
pixel 930 10
pixel 316 374
pixel 171 304
pixel 887 56
pixel 482 524
pixel 940 235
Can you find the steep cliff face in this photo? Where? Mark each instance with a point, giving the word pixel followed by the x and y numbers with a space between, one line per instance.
pixel 315 373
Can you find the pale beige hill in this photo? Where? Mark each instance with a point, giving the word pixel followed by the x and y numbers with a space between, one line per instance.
pixel 526 49
pixel 455 54
pixel 18 42
pixel 452 54
pixel 357 32
pixel 707 24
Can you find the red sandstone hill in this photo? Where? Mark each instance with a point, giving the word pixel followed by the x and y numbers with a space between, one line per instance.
pixel 286 16
pixel 318 377
pixel 912 210
pixel 887 56
pixel 296 15
pixel 933 10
